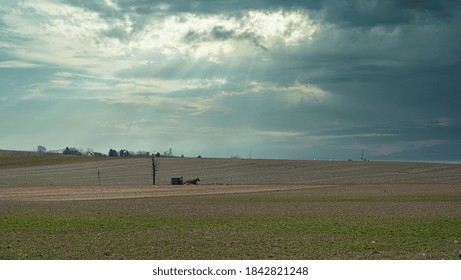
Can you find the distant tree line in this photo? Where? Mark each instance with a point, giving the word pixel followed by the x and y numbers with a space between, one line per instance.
pixel 72 151
pixel 112 152
pixel 126 153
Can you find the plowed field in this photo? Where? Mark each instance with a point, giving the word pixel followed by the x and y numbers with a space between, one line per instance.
pixel 241 209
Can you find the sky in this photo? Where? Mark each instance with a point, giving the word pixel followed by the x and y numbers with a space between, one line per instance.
pixel 287 79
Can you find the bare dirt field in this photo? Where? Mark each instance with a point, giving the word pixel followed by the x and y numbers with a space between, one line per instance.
pixel 241 209
pixel 132 178
pixel 138 171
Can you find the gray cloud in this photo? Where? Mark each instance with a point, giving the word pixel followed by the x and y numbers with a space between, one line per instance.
pixel 219 33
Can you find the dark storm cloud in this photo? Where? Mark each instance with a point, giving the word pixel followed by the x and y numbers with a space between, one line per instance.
pixel 374 55
pixel 382 63
pixel 363 13
pixel 216 6
pixel 352 12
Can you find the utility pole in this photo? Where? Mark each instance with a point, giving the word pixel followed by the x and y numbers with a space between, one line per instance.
pixel 362 155
pixel 154 168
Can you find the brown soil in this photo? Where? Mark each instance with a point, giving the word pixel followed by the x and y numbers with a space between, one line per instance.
pixel 132 178
pixel 138 172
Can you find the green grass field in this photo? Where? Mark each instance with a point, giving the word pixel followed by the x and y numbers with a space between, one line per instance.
pixel 74 234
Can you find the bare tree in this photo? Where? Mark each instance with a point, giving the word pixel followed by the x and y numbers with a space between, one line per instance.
pixel 41 149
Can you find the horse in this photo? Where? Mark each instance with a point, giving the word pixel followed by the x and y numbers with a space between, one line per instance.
pixel 193 182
